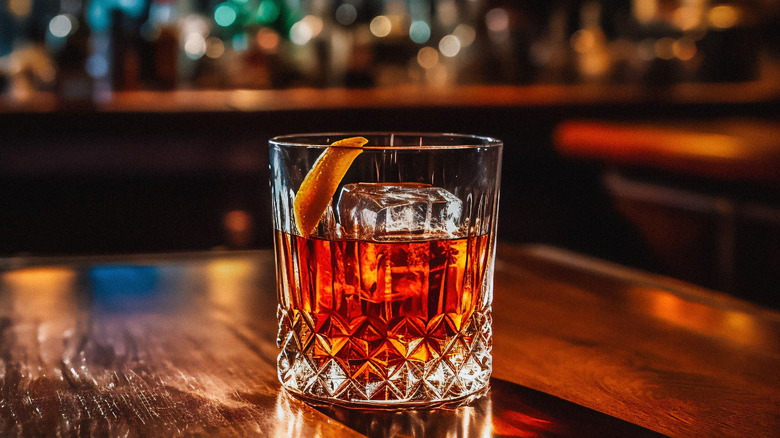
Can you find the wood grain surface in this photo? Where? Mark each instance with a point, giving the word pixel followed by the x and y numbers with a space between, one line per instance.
pixel 660 353
pixel 184 344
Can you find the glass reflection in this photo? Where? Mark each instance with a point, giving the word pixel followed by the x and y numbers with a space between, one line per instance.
pixel 474 420
pixel 507 410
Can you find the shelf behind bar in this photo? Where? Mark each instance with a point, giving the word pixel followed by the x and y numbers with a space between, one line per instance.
pixel 410 96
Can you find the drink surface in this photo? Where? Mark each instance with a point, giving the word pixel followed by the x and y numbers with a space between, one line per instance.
pixel 377 317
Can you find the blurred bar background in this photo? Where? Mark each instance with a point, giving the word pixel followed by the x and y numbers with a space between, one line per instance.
pixel 643 132
pixel 87 49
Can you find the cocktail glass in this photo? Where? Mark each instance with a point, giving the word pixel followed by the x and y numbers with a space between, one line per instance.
pixel 386 301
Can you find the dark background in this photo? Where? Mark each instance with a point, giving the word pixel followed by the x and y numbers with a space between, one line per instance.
pixel 91 182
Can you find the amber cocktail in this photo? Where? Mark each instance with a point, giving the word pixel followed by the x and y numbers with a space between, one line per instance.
pixel 385 295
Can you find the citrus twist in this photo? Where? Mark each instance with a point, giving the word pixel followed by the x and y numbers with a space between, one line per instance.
pixel 320 184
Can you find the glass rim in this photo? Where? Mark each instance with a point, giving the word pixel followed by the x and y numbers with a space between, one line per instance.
pixel 459 141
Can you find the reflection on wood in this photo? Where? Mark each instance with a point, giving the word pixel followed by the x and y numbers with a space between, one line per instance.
pixel 185 345
pixel 508 410
pixel 679 359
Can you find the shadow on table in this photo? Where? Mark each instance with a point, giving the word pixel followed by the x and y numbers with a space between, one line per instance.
pixel 508 410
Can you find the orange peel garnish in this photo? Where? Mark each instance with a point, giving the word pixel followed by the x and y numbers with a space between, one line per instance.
pixel 320 184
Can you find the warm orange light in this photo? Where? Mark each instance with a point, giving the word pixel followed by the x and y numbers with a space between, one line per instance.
pixel 684 49
pixel 227 281
pixel 583 41
pixel 46 298
pixel 267 40
pixel 238 227
pixel 20 8
pixel 687 17
pixel 723 16
pixel 238 221
pixel 729 324
pixel 427 57
pixel 664 48
pixel 40 290
pixel 645 10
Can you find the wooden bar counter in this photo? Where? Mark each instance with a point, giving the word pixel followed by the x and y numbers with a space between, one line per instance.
pixel 184 344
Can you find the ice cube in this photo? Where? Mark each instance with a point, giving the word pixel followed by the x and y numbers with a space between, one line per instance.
pixel 394 211
pixel 329 227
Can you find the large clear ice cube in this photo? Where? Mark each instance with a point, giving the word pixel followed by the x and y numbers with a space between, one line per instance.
pixel 393 211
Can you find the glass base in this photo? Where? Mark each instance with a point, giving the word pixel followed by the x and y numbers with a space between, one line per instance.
pixel 388 405
pixel 456 370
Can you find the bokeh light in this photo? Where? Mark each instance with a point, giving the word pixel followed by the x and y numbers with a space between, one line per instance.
pixel 240 42
pixel 195 46
pixel 723 16
pixel 98 16
pixel 465 33
pixel 645 10
pixel 304 30
pixel 238 227
pixel 381 26
pixel 214 47
pixel 98 65
pixel 419 31
pixel 497 20
pixel 449 46
pixel 427 57
pixel 664 48
pixel 194 23
pixel 346 14
pixel 62 25
pixel 646 50
pixel 267 12
pixel 583 41
pixel 225 14
pixel 132 8
pixel 267 40
pixel 218 28
pixel 684 49
pixel 687 17
pixel 162 13
pixel 20 8
pixel 447 12
pixel 300 33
